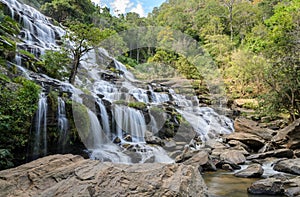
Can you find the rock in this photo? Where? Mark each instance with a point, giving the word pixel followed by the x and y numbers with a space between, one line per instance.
pixel 202 161
pixel 242 102
pixel 280 153
pixel 69 175
pixel 289 137
pixel 227 167
pixel 297 153
pixel 269 186
pixel 233 156
pixel 289 165
pixel 199 158
pixel 223 164
pixel 214 144
pixel 252 171
pixel 234 143
pixel 248 126
pixel 292 187
pixel 254 142
pixel 151 139
pixel 128 138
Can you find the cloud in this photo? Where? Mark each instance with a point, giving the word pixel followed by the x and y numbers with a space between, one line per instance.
pixel 120 6
pixel 139 9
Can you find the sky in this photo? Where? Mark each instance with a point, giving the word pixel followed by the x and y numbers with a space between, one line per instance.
pixel 142 7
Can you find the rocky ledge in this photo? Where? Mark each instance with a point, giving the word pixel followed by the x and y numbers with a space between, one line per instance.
pixel 70 175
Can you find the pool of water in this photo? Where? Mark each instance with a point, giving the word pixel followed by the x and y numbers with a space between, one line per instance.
pixel 225 184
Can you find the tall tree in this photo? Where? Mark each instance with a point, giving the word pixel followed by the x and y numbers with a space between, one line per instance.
pixel 82 39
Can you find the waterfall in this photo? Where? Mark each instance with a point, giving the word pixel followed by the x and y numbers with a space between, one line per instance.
pixel 128 124
pixel 104 118
pixel 130 121
pixel 206 122
pixel 40 140
pixel 96 136
pixel 62 122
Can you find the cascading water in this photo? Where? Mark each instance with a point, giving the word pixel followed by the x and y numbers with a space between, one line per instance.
pixel 130 121
pixel 40 140
pixel 38 35
pixel 104 117
pixel 62 122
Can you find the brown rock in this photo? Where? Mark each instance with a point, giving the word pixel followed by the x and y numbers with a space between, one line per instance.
pixel 289 136
pixel 248 126
pixel 252 171
pixel 289 165
pixel 233 156
pixel 269 186
pixel 254 142
pixel 280 153
pixel 69 175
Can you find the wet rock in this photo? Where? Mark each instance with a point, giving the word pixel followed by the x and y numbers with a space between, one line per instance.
pixel 292 187
pixel 289 137
pixel 227 167
pixel 269 186
pixel 69 175
pixel 252 171
pixel 280 153
pixel 117 140
pixel 297 153
pixel 254 142
pixel 222 164
pixel 248 126
pixel 128 138
pixel 233 156
pixel 289 165
pixel 151 139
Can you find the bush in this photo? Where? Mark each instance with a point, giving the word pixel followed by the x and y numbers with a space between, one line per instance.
pixel 18 101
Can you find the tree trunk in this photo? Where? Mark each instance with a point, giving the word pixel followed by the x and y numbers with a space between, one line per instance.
pixel 74 69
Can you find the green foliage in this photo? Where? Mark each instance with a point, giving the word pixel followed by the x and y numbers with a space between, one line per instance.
pixel 64 10
pixel 18 101
pixel 8 31
pixel 127 61
pixel 55 64
pixel 84 38
pixel 5 159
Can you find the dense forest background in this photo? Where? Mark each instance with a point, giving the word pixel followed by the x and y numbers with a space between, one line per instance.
pixel 254 44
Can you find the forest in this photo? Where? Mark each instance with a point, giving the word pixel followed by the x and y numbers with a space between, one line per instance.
pixel 255 45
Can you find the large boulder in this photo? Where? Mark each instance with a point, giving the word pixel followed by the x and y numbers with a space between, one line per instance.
pixel 276 186
pixel 289 137
pixel 244 125
pixel 290 166
pixel 252 141
pixel 252 171
pixel 233 156
pixel 269 186
pixel 69 175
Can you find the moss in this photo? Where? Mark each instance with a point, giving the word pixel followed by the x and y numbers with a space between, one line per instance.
pixel 81 118
pixel 138 105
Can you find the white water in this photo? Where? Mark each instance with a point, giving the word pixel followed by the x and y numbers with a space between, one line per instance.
pixel 38 35
pixel 40 142
pixel 129 121
pixel 104 118
pixel 62 122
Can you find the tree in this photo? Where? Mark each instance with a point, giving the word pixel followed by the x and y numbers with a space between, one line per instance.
pixel 82 39
pixel 63 10
pixel 283 50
